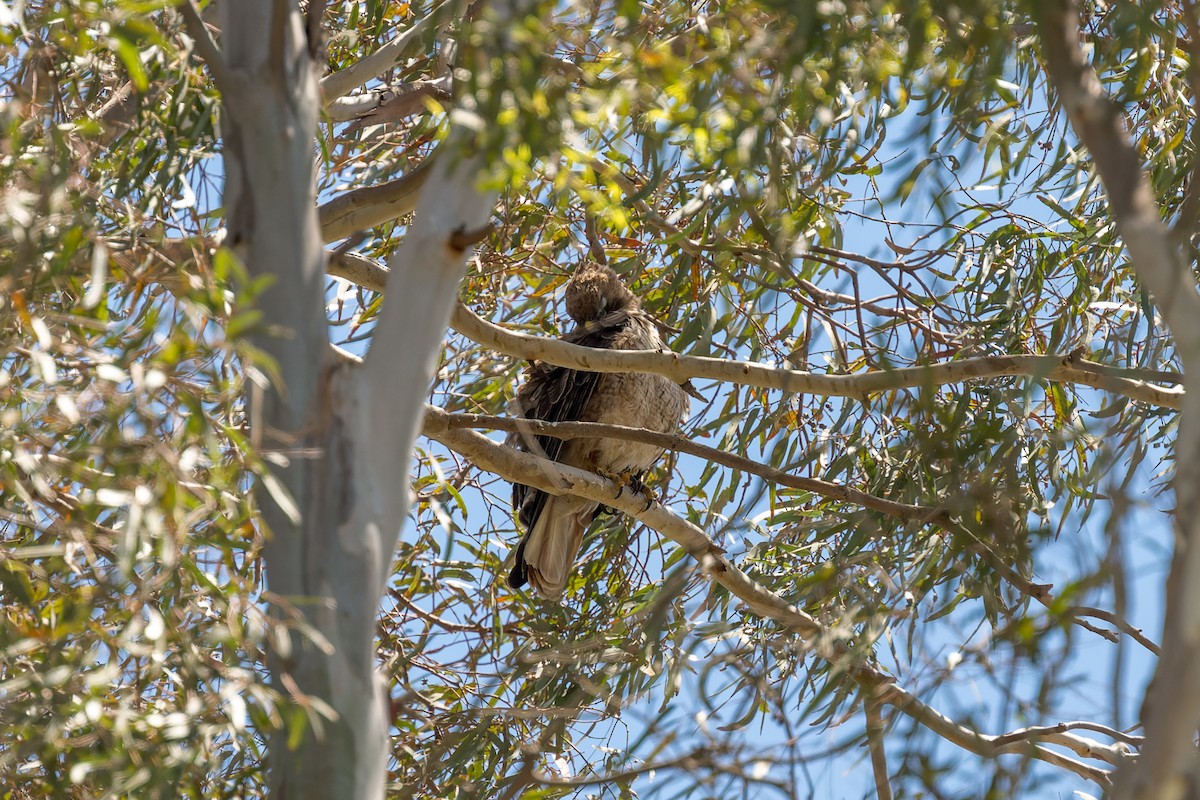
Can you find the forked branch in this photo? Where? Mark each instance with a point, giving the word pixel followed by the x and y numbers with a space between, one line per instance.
pixel 555 478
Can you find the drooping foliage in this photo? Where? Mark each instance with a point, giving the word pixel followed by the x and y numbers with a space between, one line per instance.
pixel 836 187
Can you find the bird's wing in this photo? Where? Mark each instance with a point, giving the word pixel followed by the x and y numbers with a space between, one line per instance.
pixel 557 394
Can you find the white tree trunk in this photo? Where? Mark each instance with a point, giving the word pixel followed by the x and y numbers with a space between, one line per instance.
pixel 346 431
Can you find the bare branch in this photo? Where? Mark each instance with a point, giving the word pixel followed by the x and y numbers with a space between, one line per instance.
pixel 369 206
pixel 682 444
pixel 875 726
pixel 359 270
pixel 511 628
pixel 343 81
pixel 702 758
pixel 986 746
pixel 697 759
pixel 1120 624
pixel 413 322
pixel 118 105
pixel 1067 369
pixel 1044 731
pixel 846 255
pixel 935 515
pixel 391 104
pixel 557 479
pixel 118 112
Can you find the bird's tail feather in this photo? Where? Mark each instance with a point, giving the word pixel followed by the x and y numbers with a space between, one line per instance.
pixel 547 553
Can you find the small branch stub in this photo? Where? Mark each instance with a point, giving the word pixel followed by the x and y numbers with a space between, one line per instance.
pixel 462 238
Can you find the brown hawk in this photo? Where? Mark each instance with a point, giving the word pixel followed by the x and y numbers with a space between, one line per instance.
pixel 608 316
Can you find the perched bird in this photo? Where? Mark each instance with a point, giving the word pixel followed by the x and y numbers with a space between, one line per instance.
pixel 608 316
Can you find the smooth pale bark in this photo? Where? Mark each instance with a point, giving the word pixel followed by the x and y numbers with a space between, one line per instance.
pixel 366 207
pixel 343 431
pixel 1066 368
pixel 1135 384
pixel 1168 767
pixel 344 81
pixel 269 86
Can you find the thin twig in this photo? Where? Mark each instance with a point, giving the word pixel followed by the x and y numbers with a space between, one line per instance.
pixel 511 629
pixel 875 725
pixel 205 45
pixel 1118 623
pixel 343 81
pixel 1189 209
pixel 1062 727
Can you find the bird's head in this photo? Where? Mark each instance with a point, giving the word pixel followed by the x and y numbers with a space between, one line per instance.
pixel 595 290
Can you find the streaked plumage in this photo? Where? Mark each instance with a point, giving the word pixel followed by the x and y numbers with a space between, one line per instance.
pixel 608 316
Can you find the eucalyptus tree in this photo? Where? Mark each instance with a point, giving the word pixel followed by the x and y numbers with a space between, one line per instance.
pixel 929 264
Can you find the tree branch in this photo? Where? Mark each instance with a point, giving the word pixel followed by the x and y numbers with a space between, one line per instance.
pixel 343 81
pixel 558 479
pixel 1117 622
pixel 935 515
pixel 412 322
pixel 987 747
pixel 875 726
pixel 1024 734
pixel 205 45
pixel 1189 208
pixel 1169 766
pixel 390 104
pixel 359 209
pixel 117 113
pixel 698 759
pixel 359 270
pixel 682 444
pixel 554 478
pixel 1067 369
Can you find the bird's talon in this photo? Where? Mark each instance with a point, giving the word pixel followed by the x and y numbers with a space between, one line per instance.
pixel 620 479
pixel 651 497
